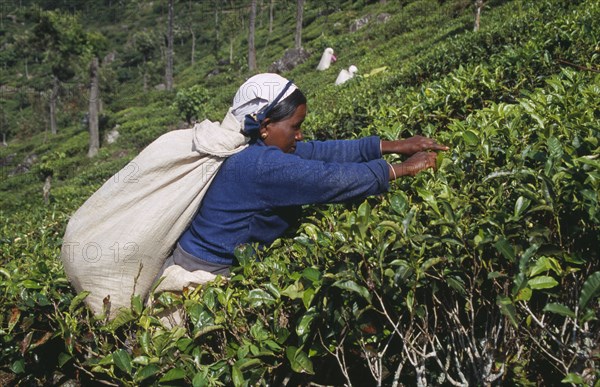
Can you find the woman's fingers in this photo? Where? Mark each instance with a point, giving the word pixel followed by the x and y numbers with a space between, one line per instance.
pixel 411 145
pixel 418 162
pixel 426 143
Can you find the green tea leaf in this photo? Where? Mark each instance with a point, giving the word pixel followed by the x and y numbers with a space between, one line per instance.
pixel 206 329
pixel 505 248
pixel 146 372
pixel 63 358
pixel 77 300
pixel 554 147
pixel 122 360
pixel 257 297
pixel 561 309
pixel 508 309
pixel 200 380
pixel 312 231
pixel 399 202
pixel 311 274
pixel 137 304
pixel 429 198
pixel 299 361
pixel 303 326
pixel 173 374
pixel 545 264
pixel 573 379
pixel 293 291
pixel 145 341
pixel 542 282
pixel 590 289
pixel 18 367
pixel 307 297
pixel 123 317
pixel 30 284
pixel 237 376
pixel 470 137
pixel 521 205
pixel 353 287
pixel 524 294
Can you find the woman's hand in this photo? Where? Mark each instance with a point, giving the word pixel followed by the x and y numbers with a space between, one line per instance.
pixel 411 146
pixel 414 164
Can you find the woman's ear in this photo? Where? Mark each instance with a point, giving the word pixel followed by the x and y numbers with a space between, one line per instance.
pixel 264 123
pixel 263 128
pixel 263 131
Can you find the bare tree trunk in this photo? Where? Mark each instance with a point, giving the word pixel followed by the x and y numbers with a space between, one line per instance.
pixel 193 44
pixel 299 13
pixel 169 69
pixel 217 29
pixel 46 189
pixel 271 6
pixel 251 48
pixel 145 77
pixel 478 6
pixel 53 98
pixel 93 109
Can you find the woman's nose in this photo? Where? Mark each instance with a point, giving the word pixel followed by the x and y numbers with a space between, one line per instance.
pixel 299 136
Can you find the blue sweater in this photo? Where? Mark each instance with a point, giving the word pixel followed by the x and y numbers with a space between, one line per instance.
pixel 257 193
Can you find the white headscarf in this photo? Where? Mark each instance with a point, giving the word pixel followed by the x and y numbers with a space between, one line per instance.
pixel 257 92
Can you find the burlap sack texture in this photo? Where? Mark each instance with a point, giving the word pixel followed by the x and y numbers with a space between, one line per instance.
pixel 117 241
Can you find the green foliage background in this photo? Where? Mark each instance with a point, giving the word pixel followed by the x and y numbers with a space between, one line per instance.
pixel 483 272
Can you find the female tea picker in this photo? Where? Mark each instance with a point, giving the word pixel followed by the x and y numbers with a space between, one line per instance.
pixel 257 193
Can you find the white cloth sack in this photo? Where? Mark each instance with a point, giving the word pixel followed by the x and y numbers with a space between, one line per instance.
pixel 117 241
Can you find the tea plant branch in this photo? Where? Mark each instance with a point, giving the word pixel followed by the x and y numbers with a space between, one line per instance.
pixel 339 354
pixel 566 365
pixel 79 367
pixel 95 378
pixel 579 67
pixel 374 361
pixel 416 356
pixel 547 353
pixel 395 329
pixel 435 342
pixel 398 372
pixel 545 328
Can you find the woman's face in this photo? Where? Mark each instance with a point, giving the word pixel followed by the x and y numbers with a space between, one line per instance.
pixel 284 134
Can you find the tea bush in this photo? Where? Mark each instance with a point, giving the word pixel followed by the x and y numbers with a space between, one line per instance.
pixel 484 272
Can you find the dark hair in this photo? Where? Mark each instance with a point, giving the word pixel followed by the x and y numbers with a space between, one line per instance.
pixel 286 107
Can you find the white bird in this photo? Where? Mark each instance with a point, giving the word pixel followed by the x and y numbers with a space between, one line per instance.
pixel 326 59
pixel 344 75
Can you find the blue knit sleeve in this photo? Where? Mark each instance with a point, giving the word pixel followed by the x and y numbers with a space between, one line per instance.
pixel 281 179
pixel 341 151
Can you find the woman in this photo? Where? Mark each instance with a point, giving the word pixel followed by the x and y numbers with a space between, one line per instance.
pixel 257 193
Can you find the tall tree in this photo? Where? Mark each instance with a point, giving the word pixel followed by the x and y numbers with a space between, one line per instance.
pixel 52 103
pixel 61 40
pixel 94 107
pixel 251 48
pixel 271 6
pixel 193 53
pixel 478 7
pixel 169 68
pixel 145 44
pixel 299 13
pixel 217 44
